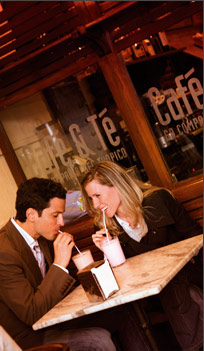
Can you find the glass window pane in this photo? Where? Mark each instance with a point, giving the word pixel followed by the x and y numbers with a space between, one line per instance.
pixel 171 92
pixel 62 132
pixel 92 123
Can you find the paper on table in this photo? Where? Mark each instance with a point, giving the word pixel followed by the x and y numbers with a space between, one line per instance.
pixel 105 277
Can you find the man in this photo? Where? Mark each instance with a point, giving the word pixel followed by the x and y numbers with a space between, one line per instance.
pixel 31 286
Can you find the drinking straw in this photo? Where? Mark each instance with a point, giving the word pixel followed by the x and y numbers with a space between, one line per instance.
pixel 74 245
pixel 104 223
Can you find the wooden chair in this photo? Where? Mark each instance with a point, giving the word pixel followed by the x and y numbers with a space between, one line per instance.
pixel 50 347
pixel 190 194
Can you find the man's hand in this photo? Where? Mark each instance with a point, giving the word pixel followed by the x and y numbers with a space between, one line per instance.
pixel 63 246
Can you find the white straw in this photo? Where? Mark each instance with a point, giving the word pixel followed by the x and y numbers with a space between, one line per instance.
pixel 104 222
pixel 78 250
pixel 74 245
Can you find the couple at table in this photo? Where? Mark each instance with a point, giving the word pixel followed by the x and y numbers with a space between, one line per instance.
pixel 144 217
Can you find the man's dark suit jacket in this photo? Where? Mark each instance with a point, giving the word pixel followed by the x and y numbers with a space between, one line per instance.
pixel 24 295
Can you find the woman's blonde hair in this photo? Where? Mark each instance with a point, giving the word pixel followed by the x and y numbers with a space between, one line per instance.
pixel 131 192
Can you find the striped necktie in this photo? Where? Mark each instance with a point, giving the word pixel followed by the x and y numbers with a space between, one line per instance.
pixel 40 258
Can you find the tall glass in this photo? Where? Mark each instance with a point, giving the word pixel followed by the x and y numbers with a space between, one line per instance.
pixel 83 259
pixel 113 252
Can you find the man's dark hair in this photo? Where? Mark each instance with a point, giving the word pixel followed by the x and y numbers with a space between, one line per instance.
pixel 36 193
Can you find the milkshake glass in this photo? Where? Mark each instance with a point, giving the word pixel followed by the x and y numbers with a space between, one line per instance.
pixel 113 252
pixel 83 259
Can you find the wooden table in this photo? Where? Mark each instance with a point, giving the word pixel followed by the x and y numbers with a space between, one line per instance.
pixel 140 276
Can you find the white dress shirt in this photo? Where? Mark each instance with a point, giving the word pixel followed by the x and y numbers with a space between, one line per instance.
pixel 32 243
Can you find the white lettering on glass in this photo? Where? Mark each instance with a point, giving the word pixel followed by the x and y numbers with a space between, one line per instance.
pixel 186 127
pixel 195 92
pixel 181 92
pixel 194 88
pixel 173 100
pixel 152 94
pixel 83 150
pixel 116 155
pixel 109 128
pixel 92 119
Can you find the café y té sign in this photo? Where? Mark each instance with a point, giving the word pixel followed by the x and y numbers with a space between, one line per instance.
pixel 176 100
pixel 110 131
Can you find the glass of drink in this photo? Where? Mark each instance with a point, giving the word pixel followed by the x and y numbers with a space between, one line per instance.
pixel 83 259
pixel 113 252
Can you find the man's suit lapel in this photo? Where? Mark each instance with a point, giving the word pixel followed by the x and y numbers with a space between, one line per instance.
pixel 30 265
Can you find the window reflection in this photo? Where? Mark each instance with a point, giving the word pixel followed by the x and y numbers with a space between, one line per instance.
pixel 172 95
pixel 92 122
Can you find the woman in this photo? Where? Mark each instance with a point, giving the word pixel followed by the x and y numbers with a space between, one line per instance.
pixel 145 218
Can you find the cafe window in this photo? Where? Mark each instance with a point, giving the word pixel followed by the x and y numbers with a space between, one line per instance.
pixel 92 123
pixel 62 132
pixel 171 92
pixel 20 121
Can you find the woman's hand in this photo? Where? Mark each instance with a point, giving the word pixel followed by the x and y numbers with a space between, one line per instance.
pixel 99 238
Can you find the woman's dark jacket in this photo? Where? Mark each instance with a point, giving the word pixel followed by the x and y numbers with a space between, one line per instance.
pixel 167 222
